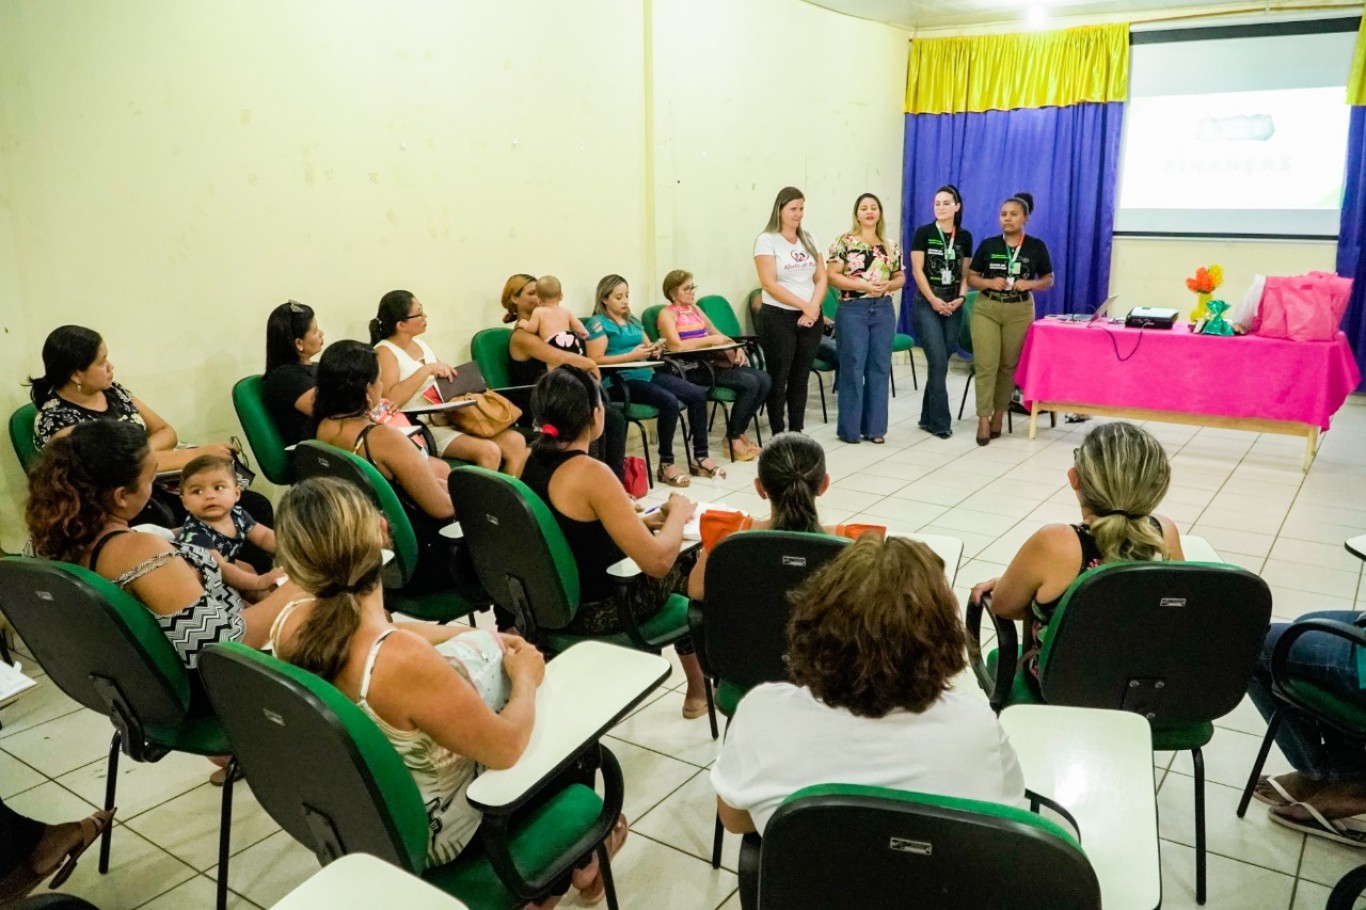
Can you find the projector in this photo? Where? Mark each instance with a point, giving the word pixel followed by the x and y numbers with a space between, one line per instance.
pixel 1147 317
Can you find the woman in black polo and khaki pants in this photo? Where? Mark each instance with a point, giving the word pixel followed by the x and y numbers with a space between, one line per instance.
pixel 1007 270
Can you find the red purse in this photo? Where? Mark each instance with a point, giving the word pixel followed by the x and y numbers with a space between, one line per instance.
pixel 636 483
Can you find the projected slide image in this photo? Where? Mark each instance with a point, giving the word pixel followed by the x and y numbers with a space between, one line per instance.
pixel 1262 150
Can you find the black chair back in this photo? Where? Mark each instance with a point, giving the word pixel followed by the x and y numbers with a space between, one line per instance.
pixel 742 634
pixel 1173 641
pixel 845 846
pixel 316 763
pixel 97 643
pixel 519 552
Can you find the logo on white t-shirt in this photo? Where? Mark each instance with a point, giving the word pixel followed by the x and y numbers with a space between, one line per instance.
pixel 800 259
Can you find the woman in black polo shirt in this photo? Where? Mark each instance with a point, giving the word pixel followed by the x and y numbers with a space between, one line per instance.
pixel 1007 270
pixel 939 252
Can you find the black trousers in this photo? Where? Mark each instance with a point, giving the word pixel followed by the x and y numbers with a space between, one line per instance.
pixel 789 351
pixel 18 836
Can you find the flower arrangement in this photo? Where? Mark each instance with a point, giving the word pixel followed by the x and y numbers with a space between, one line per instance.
pixel 1204 284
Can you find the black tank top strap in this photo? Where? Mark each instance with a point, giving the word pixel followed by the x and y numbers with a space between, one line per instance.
pixel 99 546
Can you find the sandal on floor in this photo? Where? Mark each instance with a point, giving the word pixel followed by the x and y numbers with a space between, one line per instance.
pixel 744 453
pixel 677 479
pixel 876 440
pixel 696 711
pixel 698 469
pixel 596 889
pixel 1340 831
pixel 1270 791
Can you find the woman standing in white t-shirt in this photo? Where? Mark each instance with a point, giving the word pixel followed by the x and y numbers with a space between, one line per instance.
pixel 408 370
pixel 887 718
pixel 792 275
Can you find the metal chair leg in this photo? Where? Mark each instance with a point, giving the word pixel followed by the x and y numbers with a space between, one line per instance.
pixel 820 385
pixel 717 836
pixel 915 378
pixel 711 709
pixel 111 784
pixel 1271 727
pixel 1199 762
pixel 605 864
pixel 225 835
pixel 964 403
pixel 891 377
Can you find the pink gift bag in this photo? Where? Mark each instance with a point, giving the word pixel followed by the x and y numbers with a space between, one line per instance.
pixel 1303 307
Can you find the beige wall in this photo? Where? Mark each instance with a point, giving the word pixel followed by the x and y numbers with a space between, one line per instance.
pixel 169 171
pixel 1153 271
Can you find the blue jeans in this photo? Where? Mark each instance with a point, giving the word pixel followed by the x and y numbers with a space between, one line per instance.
pixel 864 328
pixel 1315 750
pixel 671 394
pixel 938 337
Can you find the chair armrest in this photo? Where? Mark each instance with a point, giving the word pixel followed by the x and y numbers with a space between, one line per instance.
pixel 998 687
pixel 494 830
pixel 1280 674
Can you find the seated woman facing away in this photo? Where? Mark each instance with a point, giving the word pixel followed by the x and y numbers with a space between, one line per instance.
pixel 78 386
pixel 352 414
pixel 408 372
pixel 442 726
pixel 599 521
pixel 791 477
pixel 290 380
pixel 874 642
pixel 84 490
pixel 1328 784
pixel 1120 475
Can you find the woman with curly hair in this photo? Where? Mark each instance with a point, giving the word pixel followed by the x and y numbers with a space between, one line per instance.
pixel 875 641
pixel 84 491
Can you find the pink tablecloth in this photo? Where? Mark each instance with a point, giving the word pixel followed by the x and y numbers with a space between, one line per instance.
pixel 1238 376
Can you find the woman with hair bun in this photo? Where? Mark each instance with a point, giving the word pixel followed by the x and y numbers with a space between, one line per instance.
pixel 874 643
pixel 1120 474
pixel 1007 269
pixel 599 522
pixel 939 252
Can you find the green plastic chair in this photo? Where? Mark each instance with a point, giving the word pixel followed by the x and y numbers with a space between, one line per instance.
pixel 1299 695
pixel 419 581
pixel 719 396
pixel 525 564
pixel 844 846
pixel 21 435
pixel 820 366
pixel 325 773
pixel 104 650
pixel 722 315
pixel 264 436
pixel 1136 636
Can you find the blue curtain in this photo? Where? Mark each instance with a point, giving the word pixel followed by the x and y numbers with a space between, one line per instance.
pixel 1068 157
pixel 1352 238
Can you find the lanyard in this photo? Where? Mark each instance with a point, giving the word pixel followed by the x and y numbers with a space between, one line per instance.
pixel 946 244
pixel 1012 258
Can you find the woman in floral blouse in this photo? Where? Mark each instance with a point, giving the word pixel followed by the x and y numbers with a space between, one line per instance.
pixel 866 267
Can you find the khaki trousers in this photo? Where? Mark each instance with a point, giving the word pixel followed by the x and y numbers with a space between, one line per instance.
pixel 998 334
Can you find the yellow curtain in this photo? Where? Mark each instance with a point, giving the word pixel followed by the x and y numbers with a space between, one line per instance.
pixel 1356 82
pixel 1005 72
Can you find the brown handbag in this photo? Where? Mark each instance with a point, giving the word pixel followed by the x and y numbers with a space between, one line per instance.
pixel 490 414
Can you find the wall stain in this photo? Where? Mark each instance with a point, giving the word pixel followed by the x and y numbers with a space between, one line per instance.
pixel 246 116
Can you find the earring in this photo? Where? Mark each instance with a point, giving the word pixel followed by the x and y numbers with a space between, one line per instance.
pixel 80 387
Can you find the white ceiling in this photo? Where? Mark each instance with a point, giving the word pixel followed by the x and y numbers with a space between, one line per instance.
pixel 916 15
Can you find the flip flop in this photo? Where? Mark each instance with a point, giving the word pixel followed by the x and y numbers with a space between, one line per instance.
pixel 1341 831
pixel 91 829
pixel 1267 781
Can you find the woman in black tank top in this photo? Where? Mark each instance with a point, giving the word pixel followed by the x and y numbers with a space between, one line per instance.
pixel 598 520
pixel 1120 474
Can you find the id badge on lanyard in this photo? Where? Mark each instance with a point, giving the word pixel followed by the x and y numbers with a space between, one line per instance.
pixel 946 273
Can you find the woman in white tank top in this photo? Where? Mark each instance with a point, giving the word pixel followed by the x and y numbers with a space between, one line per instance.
pixel 408 370
pixel 330 537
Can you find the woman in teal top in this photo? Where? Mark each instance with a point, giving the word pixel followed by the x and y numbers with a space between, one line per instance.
pixel 616 336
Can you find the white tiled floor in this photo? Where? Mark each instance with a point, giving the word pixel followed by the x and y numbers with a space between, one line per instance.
pixel 1243 492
